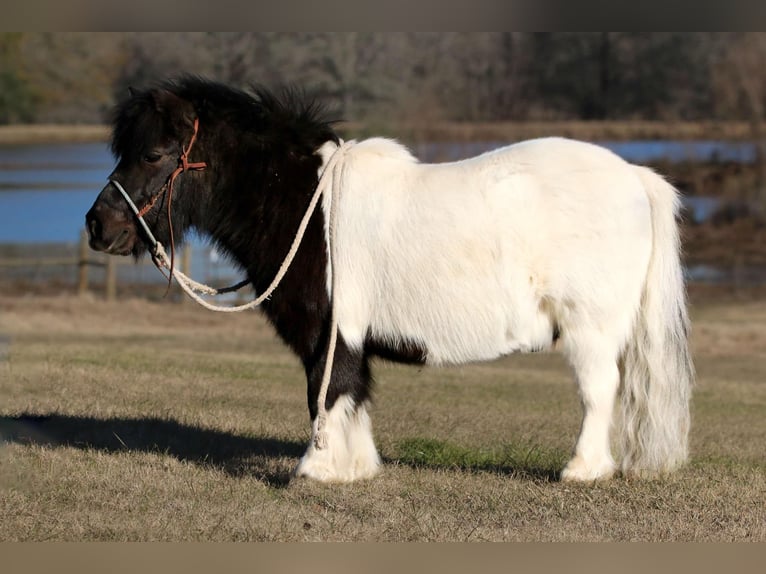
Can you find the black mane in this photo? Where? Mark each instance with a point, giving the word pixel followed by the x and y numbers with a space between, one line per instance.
pixel 288 117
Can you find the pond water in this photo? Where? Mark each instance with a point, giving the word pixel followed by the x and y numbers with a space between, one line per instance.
pixel 639 151
pixel 45 190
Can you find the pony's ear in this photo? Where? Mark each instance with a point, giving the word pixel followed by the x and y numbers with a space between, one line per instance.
pixel 180 111
pixel 132 91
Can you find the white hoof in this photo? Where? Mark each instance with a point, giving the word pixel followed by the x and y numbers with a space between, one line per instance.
pixel 350 452
pixel 322 466
pixel 578 470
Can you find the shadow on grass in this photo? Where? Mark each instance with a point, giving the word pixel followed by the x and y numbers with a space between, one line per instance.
pixel 239 455
pixel 236 455
pixel 527 462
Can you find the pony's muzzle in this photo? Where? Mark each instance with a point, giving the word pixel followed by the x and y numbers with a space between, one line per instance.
pixel 109 230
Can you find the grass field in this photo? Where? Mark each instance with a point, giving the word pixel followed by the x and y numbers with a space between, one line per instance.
pixel 158 421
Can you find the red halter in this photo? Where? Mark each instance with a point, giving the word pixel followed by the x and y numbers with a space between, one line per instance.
pixel 183 165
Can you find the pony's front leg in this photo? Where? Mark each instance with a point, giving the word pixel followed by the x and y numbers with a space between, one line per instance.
pixel 349 453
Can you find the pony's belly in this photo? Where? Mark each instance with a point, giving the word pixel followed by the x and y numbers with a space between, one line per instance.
pixel 473 329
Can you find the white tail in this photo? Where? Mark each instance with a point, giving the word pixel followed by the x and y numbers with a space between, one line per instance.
pixel 657 370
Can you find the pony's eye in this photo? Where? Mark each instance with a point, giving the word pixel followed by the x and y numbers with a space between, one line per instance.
pixel 152 157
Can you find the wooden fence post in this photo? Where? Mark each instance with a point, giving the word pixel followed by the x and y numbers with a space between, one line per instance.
pixel 111 278
pixel 186 268
pixel 82 262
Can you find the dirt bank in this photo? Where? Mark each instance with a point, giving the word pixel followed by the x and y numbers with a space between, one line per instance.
pixel 442 131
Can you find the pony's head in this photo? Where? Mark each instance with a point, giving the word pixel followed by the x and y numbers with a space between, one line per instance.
pixel 192 153
pixel 153 134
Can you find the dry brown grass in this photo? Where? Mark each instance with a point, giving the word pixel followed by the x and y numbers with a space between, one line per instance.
pixel 154 421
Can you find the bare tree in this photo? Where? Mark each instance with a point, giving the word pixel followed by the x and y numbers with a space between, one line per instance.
pixel 17 100
pixel 740 87
pixel 406 76
pixel 73 73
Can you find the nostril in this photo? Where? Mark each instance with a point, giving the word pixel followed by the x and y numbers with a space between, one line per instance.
pixel 95 228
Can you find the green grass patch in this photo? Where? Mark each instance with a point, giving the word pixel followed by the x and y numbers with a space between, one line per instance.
pixel 525 460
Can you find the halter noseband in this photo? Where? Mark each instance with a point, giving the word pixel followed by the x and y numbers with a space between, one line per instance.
pixel 183 165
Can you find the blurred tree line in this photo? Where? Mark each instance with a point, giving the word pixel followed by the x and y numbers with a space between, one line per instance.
pixel 76 77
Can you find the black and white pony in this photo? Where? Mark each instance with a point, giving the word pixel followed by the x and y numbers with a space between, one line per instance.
pixel 546 243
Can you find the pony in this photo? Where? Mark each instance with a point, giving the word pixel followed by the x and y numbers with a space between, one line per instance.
pixel 545 244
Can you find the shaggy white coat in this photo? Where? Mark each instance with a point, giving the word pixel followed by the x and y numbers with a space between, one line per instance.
pixel 484 257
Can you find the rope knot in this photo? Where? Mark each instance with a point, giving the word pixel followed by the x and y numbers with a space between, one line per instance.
pixel 184 165
pixel 183 161
pixel 320 441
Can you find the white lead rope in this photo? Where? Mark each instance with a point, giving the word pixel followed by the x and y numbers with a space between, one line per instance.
pixel 333 168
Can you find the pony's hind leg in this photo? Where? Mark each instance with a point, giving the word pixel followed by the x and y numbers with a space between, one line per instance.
pixel 350 452
pixel 595 363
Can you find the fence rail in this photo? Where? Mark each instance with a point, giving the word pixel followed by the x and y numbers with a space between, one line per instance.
pixel 74 267
pixel 78 267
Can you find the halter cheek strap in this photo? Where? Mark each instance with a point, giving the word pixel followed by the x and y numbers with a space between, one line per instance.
pixel 183 165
